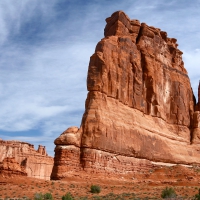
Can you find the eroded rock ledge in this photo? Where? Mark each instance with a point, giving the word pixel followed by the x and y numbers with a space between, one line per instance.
pixel 140 106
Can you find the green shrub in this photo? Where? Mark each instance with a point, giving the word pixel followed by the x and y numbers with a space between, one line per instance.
pixel 68 196
pixel 95 189
pixel 48 196
pixel 168 193
pixel 38 196
pixel 197 197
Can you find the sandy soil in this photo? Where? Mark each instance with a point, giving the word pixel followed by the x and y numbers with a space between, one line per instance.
pixel 144 185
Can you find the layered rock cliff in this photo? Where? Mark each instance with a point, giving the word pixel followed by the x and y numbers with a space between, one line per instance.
pixel 21 158
pixel 9 166
pixel 140 107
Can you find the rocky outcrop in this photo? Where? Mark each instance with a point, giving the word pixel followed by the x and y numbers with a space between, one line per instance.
pixel 25 159
pixel 42 150
pixel 139 108
pixel 9 167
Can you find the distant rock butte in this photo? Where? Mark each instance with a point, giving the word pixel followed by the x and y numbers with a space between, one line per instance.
pixel 20 158
pixel 140 107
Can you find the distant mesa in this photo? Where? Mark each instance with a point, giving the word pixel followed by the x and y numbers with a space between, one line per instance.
pixel 140 109
pixel 20 158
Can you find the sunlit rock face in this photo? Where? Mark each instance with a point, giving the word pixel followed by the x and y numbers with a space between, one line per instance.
pixel 9 167
pixel 21 158
pixel 140 105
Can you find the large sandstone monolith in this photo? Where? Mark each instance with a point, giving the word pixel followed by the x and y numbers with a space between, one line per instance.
pixel 139 108
pixel 21 158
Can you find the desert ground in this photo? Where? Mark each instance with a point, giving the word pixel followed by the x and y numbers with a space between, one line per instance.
pixel 141 185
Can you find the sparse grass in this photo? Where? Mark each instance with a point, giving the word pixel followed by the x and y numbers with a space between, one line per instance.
pixel 67 196
pixel 95 189
pixel 48 196
pixel 72 186
pixel 38 196
pixel 168 193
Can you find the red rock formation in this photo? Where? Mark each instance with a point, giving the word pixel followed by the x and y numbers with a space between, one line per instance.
pixel 139 107
pixel 36 164
pixel 198 104
pixel 9 166
pixel 196 121
pixel 42 150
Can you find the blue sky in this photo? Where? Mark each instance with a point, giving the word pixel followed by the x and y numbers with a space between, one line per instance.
pixel 45 47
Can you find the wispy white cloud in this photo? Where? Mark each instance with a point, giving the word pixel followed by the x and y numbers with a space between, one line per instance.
pixel 50 82
pixel 14 14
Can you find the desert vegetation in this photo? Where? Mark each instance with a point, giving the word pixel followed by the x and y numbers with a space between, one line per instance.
pixel 95 189
pixel 35 189
pixel 168 193
pixel 162 183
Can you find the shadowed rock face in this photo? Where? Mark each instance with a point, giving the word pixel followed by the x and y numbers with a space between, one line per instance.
pixel 196 122
pixel 22 159
pixel 139 108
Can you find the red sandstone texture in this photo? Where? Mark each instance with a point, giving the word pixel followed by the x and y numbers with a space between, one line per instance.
pixel 140 109
pixel 9 166
pixel 20 158
pixel 198 103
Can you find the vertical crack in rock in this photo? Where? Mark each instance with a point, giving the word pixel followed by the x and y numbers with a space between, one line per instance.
pixel 195 133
